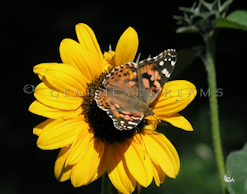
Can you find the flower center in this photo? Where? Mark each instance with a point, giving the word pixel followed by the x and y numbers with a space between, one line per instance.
pixel 98 119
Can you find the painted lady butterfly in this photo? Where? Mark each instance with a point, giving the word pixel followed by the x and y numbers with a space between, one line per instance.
pixel 130 88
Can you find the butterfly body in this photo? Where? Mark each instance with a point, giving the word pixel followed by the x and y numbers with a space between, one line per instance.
pixel 130 88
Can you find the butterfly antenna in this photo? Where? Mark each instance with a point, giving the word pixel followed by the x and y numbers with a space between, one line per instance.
pixel 138 58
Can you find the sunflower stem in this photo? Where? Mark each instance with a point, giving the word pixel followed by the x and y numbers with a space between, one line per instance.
pixel 106 185
pixel 213 101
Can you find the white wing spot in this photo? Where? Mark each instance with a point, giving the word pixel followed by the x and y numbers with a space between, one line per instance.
pixel 166 73
pixel 161 63
pixel 132 123
pixel 172 63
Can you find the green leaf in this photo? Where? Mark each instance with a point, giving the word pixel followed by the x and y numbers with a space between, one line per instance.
pixel 224 23
pixel 238 16
pixel 186 29
pixel 236 169
pixel 184 58
pixel 236 20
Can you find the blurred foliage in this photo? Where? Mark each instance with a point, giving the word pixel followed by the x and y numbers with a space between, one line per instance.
pixel 235 20
pixel 200 18
pixel 206 19
pixel 236 171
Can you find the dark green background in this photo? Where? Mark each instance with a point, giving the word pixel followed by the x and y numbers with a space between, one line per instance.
pixel 31 32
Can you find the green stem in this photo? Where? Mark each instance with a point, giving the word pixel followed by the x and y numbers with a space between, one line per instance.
pixel 106 184
pixel 210 66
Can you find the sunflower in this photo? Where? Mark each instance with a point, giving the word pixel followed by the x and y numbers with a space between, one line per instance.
pixel 90 145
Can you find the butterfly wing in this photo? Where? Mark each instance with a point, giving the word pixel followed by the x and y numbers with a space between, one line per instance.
pixel 117 96
pixel 121 97
pixel 124 76
pixel 125 120
pixel 154 72
pixel 124 116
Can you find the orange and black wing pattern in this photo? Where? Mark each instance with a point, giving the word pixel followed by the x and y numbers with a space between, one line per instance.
pixel 154 72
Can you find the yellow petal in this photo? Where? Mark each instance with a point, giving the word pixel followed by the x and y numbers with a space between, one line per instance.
pixel 109 59
pixel 78 57
pixel 61 172
pixel 175 96
pixel 57 100
pixel 161 154
pixel 66 79
pixel 117 170
pixel 126 47
pixel 88 40
pixel 101 169
pixel 153 121
pixel 37 130
pixel 59 133
pixel 40 69
pixel 159 175
pixel 90 167
pixel 177 121
pixel 40 109
pixel 170 150
pixel 139 164
pixel 80 146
